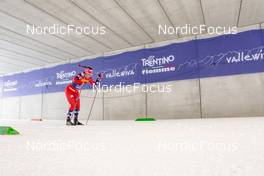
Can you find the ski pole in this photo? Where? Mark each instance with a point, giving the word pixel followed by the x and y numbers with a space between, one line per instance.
pixel 90 112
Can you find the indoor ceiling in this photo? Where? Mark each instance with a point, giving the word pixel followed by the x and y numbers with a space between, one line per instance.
pixel 128 23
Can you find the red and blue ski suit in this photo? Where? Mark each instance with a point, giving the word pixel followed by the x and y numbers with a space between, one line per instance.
pixel 72 90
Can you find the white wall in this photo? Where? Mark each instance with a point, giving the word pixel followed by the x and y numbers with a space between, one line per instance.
pixel 11 108
pixel 54 106
pixel 127 106
pixel 182 102
pixel 1 107
pixel 236 96
pixel 87 97
pixel 30 106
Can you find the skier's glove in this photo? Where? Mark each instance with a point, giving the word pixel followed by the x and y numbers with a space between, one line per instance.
pixel 96 82
pixel 99 78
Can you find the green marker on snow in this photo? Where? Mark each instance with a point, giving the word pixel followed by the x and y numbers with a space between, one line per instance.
pixel 145 119
pixel 6 130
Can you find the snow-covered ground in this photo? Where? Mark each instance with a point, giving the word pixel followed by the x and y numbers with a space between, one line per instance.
pixel 192 147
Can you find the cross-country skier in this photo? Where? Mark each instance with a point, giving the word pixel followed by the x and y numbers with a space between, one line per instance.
pixel 73 94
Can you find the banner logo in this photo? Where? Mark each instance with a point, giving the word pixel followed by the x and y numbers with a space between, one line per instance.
pixel 124 71
pixel 154 64
pixel 64 77
pixel 41 83
pixel 10 86
pixel 255 54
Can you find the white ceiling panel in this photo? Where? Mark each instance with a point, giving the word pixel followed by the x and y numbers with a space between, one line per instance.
pixel 11 64
pixel 221 14
pixel 114 16
pixel 16 25
pixel 10 67
pixel 40 18
pixel 128 23
pixel 252 12
pixel 182 12
pixel 19 56
pixel 16 63
pixel 149 15
pixel 35 45
pixel 4 44
pixel 76 15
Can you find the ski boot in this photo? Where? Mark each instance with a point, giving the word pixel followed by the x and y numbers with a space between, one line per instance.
pixel 76 121
pixel 69 118
pixel 69 122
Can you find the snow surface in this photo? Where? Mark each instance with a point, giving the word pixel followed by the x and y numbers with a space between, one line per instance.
pixel 192 147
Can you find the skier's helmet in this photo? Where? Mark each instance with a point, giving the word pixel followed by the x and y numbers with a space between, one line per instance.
pixel 88 71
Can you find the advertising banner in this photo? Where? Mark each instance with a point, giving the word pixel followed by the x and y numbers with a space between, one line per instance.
pixel 218 56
